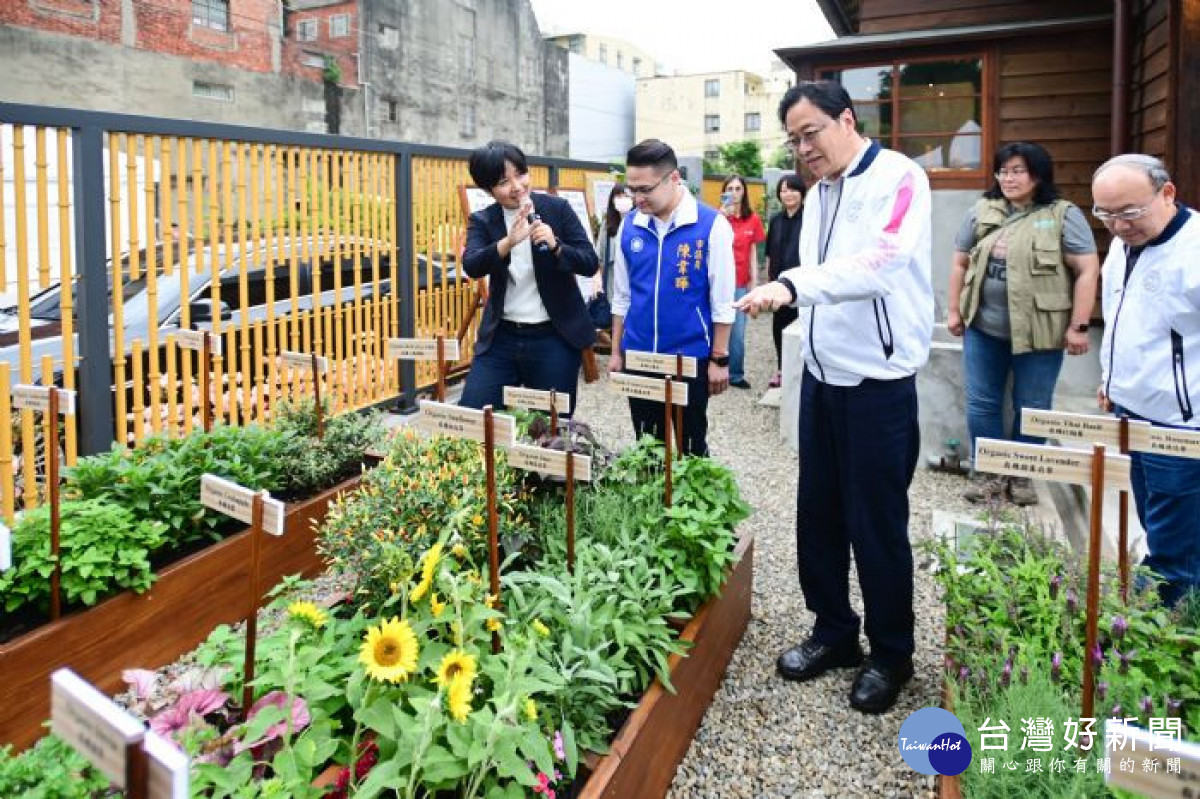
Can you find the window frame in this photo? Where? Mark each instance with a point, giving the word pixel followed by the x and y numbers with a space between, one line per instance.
pixel 343 19
pixel 980 178
pixel 757 117
pixel 715 85
pixel 712 117
pixel 310 24
pixel 205 13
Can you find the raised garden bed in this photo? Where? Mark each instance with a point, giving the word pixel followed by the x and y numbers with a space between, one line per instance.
pixel 187 600
pixel 654 739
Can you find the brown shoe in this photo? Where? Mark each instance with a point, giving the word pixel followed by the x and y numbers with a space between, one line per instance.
pixel 984 489
pixel 1021 491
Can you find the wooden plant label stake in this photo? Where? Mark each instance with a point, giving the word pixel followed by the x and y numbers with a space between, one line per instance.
pixel 421 349
pixel 1091 620
pixel 677 365
pixel 1123 519
pixel 680 374
pixel 441 367
pixel 550 461
pixel 1041 462
pixel 168 768
pixel 319 365
pixel 46 399
pixel 647 388
pixel 5 548
pixel 109 737
pixel 1151 745
pixel 535 399
pixel 239 502
pixel 438 418
pixel 489 459
pixel 668 434
pixel 1092 428
pixel 204 342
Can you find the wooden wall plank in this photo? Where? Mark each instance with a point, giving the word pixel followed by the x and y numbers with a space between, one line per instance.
pixel 887 16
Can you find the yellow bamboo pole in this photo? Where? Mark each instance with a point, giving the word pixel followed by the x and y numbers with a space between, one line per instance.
pixel 334 343
pixel 41 168
pixel 293 263
pixel 167 190
pixel 375 372
pixel 118 279
pixel 265 262
pixel 188 227
pixel 393 261
pixel 139 408
pixel 3 225
pixel 152 145
pixel 274 258
pixel 356 320
pixel 226 216
pixel 243 371
pixel 131 175
pixel 66 301
pixel 173 407
pixel 24 329
pixel 7 484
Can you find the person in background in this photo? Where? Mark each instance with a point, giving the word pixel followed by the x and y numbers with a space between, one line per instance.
pixel 865 295
pixel 1022 287
pixel 600 309
pixel 673 280
pixel 1150 356
pixel 747 233
pixel 783 252
pixel 531 247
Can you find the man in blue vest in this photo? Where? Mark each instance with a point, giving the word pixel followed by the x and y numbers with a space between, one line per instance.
pixel 673 285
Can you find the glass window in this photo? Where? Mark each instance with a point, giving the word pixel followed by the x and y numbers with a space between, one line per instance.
pixel 389 37
pixel 931 111
pixel 712 87
pixel 339 26
pixel 753 122
pixel 306 30
pixel 602 53
pixel 212 91
pixel 211 14
pixel 620 60
pixel 712 123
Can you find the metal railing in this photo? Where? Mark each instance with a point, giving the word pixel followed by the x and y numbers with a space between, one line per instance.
pixel 118 231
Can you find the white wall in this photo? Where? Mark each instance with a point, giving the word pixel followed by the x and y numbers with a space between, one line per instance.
pixel 601 111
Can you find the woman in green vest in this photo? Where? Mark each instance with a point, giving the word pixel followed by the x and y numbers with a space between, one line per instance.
pixel 1022 287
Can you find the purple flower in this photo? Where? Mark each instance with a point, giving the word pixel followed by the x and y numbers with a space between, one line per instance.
pixel 1116 711
pixel 1119 627
pixel 1126 657
pixel 1056 667
pixel 560 750
pixel 1097 656
pixel 1147 705
pixel 950 664
pixel 1055 584
pixel 1101 690
pixel 1006 674
pixel 1072 600
pixel 964 673
pixel 1174 706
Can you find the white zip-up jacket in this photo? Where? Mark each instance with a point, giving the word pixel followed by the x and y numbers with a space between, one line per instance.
pixel 873 282
pixel 1150 356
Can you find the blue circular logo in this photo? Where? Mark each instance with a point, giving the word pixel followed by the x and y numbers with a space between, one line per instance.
pixel 933 741
pixel 637 245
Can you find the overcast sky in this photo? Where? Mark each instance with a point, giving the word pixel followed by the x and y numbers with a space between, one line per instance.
pixel 693 37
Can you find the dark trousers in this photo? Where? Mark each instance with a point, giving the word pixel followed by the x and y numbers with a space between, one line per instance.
pixel 648 416
pixel 781 318
pixel 536 357
pixel 858 451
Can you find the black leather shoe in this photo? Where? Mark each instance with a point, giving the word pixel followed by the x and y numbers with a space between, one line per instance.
pixel 812 659
pixel 743 383
pixel 876 686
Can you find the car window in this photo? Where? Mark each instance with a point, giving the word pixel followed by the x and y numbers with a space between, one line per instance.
pixel 49 304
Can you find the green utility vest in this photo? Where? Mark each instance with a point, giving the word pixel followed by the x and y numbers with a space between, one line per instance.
pixel 1039 281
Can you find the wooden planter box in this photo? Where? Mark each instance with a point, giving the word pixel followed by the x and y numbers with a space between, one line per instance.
pixel 188 599
pixel 654 739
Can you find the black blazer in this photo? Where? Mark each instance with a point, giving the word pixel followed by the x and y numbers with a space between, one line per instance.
pixel 555 274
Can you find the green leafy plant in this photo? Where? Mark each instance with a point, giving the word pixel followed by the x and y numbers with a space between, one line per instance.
pixel 104 548
pixel 314 464
pixel 50 769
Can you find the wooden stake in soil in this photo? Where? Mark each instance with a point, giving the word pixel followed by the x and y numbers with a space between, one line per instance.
pixel 1093 585
pixel 256 532
pixel 553 412
pixel 678 409
pixel 316 378
pixel 205 377
pixel 667 440
pixel 1123 520
pixel 570 505
pixel 51 446
pixel 489 459
pixel 441 367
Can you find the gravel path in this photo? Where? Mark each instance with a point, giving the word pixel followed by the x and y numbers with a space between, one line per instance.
pixel 764 737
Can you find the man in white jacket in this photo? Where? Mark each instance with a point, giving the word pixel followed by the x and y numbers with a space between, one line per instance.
pixel 865 296
pixel 1150 357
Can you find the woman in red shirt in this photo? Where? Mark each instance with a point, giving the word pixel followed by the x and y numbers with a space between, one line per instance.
pixel 747 232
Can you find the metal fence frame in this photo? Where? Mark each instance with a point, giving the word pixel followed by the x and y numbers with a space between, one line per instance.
pixel 88 129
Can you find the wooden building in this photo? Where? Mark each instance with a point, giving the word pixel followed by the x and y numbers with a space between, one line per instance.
pixel 947 81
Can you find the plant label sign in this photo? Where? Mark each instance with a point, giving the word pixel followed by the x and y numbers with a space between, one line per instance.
pixel 5 548
pixel 89 721
pixel 549 461
pixel 237 501
pixel 649 388
pixel 421 349
pixel 1145 437
pixel 302 360
pixel 1145 746
pixel 194 340
pixel 1058 464
pixel 660 363
pixel 536 399
pixel 168 768
pixel 37 398
pixel 1087 427
pixel 443 419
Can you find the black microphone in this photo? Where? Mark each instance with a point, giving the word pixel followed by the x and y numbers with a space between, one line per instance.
pixel 540 246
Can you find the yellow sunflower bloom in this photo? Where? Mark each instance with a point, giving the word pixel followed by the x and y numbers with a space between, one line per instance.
pixel 436 606
pixel 308 612
pixel 540 628
pixel 494 625
pixel 459 551
pixel 531 712
pixel 458 698
pixel 390 651
pixel 456 664
pixel 428 568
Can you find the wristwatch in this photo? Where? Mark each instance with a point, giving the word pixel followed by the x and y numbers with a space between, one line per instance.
pixel 720 360
pixel 1080 327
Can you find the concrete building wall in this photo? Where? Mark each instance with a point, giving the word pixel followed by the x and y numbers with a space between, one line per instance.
pixel 317 30
pixel 601 111
pixel 609 52
pixel 681 109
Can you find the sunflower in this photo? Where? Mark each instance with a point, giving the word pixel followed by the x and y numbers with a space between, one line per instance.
pixel 308 612
pixel 458 697
pixel 390 651
pixel 531 712
pixel 454 665
pixel 494 625
pixel 436 606
pixel 428 567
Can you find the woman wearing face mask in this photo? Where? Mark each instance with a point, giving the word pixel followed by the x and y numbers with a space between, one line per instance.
pixel 531 247
pixel 619 205
pixel 783 252
pixel 747 233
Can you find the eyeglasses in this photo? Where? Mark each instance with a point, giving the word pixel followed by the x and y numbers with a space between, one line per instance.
pixel 1128 215
pixel 645 190
pixel 1011 173
pixel 808 137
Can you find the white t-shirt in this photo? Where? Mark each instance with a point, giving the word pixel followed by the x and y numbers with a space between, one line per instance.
pixel 522 303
